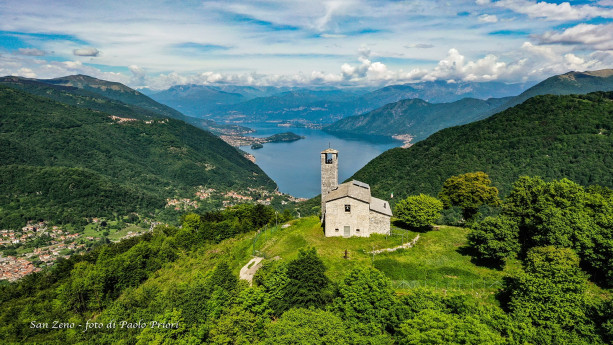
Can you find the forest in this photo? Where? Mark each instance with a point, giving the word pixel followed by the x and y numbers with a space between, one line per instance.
pixel 549 136
pixel 558 235
pixel 63 163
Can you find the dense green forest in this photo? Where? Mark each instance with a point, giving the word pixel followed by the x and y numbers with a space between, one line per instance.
pixel 416 117
pixel 137 162
pixel 179 285
pixel 548 136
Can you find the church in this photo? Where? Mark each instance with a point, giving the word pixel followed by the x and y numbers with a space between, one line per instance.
pixel 348 209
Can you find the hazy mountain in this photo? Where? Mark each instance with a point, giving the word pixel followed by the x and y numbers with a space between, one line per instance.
pixel 421 120
pixel 320 105
pixel 415 116
pixel 548 136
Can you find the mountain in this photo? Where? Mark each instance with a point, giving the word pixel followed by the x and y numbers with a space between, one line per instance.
pixel 200 100
pixel 296 105
pixel 84 95
pixel 420 120
pixel 105 163
pixel 549 136
pixel 116 91
pixel 567 84
pixel 196 100
pixel 319 104
pixel 415 117
pixel 442 91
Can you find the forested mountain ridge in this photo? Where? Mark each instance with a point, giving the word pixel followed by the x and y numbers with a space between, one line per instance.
pixel 548 136
pixel 404 117
pixel 145 160
pixel 116 91
pixel 416 117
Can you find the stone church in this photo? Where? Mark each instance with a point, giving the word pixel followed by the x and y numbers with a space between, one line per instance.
pixel 349 209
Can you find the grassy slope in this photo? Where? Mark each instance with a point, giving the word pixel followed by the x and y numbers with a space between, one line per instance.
pixel 434 261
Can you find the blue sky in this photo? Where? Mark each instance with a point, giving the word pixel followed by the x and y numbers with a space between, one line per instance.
pixel 158 44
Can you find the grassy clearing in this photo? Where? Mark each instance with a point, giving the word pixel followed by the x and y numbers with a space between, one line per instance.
pixel 435 261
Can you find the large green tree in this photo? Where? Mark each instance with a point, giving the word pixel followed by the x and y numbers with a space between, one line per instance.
pixel 469 191
pixel 419 211
pixel 366 296
pixel 307 285
pixel 495 239
pixel 550 291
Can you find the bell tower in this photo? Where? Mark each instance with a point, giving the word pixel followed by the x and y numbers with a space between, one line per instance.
pixel 329 175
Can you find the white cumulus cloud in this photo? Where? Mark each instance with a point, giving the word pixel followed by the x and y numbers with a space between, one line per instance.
pixel 551 11
pixel 86 52
pixel 488 18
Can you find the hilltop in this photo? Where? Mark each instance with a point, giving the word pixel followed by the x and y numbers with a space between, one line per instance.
pixel 548 136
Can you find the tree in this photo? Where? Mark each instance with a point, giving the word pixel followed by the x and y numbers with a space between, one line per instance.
pixel 469 191
pixel 307 281
pixel 495 239
pixel 366 296
pixel 551 289
pixel 419 211
pixel 437 327
pixel 309 326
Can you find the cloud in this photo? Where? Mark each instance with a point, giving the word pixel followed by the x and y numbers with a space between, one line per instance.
pixel 482 2
pixel 558 12
pixel 488 18
pixel 86 52
pixel 598 37
pixel 139 75
pixel 420 45
pixel 31 52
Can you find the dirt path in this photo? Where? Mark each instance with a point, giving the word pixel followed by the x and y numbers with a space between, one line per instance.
pixel 248 271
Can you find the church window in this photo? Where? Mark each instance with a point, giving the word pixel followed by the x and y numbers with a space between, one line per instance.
pixel 347 208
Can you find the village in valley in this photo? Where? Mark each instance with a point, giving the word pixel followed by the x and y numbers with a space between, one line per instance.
pixel 39 244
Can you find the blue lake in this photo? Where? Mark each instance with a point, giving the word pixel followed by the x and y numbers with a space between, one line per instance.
pixel 295 166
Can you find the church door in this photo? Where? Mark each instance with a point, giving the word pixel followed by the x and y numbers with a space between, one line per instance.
pixel 347 231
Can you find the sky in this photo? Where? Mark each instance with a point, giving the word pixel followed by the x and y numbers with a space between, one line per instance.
pixel 158 44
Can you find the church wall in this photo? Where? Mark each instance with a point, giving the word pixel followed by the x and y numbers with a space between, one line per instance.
pixel 337 218
pixel 379 223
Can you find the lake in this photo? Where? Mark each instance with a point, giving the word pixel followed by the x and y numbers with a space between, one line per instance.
pixel 295 166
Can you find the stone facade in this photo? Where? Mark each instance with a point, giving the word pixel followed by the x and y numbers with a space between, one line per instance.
pixel 349 209
pixel 329 174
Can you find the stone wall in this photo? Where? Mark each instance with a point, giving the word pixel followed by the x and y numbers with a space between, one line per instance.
pixel 379 223
pixel 337 218
pixel 329 177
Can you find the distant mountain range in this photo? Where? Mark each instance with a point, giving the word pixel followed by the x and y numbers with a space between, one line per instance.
pixel 551 136
pixel 420 119
pixel 256 104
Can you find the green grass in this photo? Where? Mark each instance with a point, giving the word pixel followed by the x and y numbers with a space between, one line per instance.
pixel 116 235
pixel 435 261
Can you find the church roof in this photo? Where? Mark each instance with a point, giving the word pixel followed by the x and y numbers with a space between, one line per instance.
pixel 329 151
pixel 380 206
pixel 354 189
